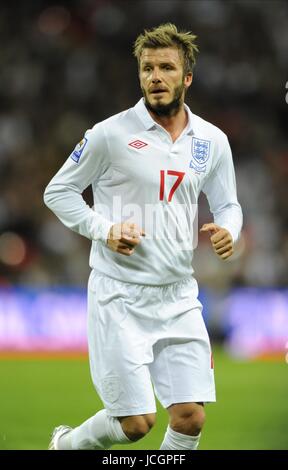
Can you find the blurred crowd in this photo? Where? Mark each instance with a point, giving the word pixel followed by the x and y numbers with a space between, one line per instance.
pixel 66 65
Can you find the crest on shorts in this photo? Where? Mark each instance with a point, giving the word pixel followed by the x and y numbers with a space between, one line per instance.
pixel 200 151
pixel 77 152
pixel 110 387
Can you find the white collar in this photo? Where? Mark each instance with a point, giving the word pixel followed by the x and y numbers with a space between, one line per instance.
pixel 148 121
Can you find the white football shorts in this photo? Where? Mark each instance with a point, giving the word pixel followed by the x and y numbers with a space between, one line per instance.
pixel 142 335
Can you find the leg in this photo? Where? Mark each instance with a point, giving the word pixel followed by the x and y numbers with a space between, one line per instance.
pixel 136 427
pixel 120 375
pixel 102 431
pixel 183 378
pixel 187 418
pixel 184 430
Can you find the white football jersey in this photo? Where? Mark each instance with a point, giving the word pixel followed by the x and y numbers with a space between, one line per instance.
pixel 138 174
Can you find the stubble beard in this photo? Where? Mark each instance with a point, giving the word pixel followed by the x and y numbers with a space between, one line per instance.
pixel 169 109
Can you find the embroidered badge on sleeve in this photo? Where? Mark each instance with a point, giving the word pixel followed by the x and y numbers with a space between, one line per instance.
pixel 77 152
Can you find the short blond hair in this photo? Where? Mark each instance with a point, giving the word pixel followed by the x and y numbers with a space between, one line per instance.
pixel 167 35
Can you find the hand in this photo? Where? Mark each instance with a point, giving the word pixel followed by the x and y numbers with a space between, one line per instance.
pixel 221 240
pixel 123 238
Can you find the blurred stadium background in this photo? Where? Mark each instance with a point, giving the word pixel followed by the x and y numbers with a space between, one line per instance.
pixel 67 65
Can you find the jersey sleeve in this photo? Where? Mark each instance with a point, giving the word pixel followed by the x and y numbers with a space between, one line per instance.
pixel 87 163
pixel 220 189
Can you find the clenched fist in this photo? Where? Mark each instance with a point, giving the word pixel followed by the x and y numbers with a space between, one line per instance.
pixel 221 240
pixel 124 238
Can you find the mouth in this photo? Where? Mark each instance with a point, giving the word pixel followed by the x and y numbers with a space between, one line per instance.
pixel 158 91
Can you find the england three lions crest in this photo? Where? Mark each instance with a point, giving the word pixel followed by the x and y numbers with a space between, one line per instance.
pixel 200 153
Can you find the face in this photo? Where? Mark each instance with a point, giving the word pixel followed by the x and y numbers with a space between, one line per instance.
pixel 162 80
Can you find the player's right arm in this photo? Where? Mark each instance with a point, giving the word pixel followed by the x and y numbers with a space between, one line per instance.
pixel 124 238
pixel 63 195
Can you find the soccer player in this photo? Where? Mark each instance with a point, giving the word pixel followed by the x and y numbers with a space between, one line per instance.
pixel 147 166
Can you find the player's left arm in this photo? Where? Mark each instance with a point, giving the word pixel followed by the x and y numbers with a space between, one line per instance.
pixel 220 189
pixel 221 239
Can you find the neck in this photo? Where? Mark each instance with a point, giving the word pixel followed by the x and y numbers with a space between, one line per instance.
pixel 174 124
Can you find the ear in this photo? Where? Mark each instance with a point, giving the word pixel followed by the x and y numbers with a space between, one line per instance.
pixel 188 79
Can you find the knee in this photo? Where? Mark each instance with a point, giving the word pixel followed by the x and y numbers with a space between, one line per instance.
pixel 136 427
pixel 188 418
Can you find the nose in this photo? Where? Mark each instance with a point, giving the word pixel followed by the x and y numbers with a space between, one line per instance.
pixel 155 76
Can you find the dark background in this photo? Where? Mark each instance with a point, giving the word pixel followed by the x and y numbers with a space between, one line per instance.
pixel 63 67
pixel 66 65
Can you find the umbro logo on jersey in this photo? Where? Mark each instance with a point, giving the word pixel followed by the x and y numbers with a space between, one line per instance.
pixel 137 144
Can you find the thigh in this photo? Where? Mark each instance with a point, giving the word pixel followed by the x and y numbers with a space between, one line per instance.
pixel 182 370
pixel 118 350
